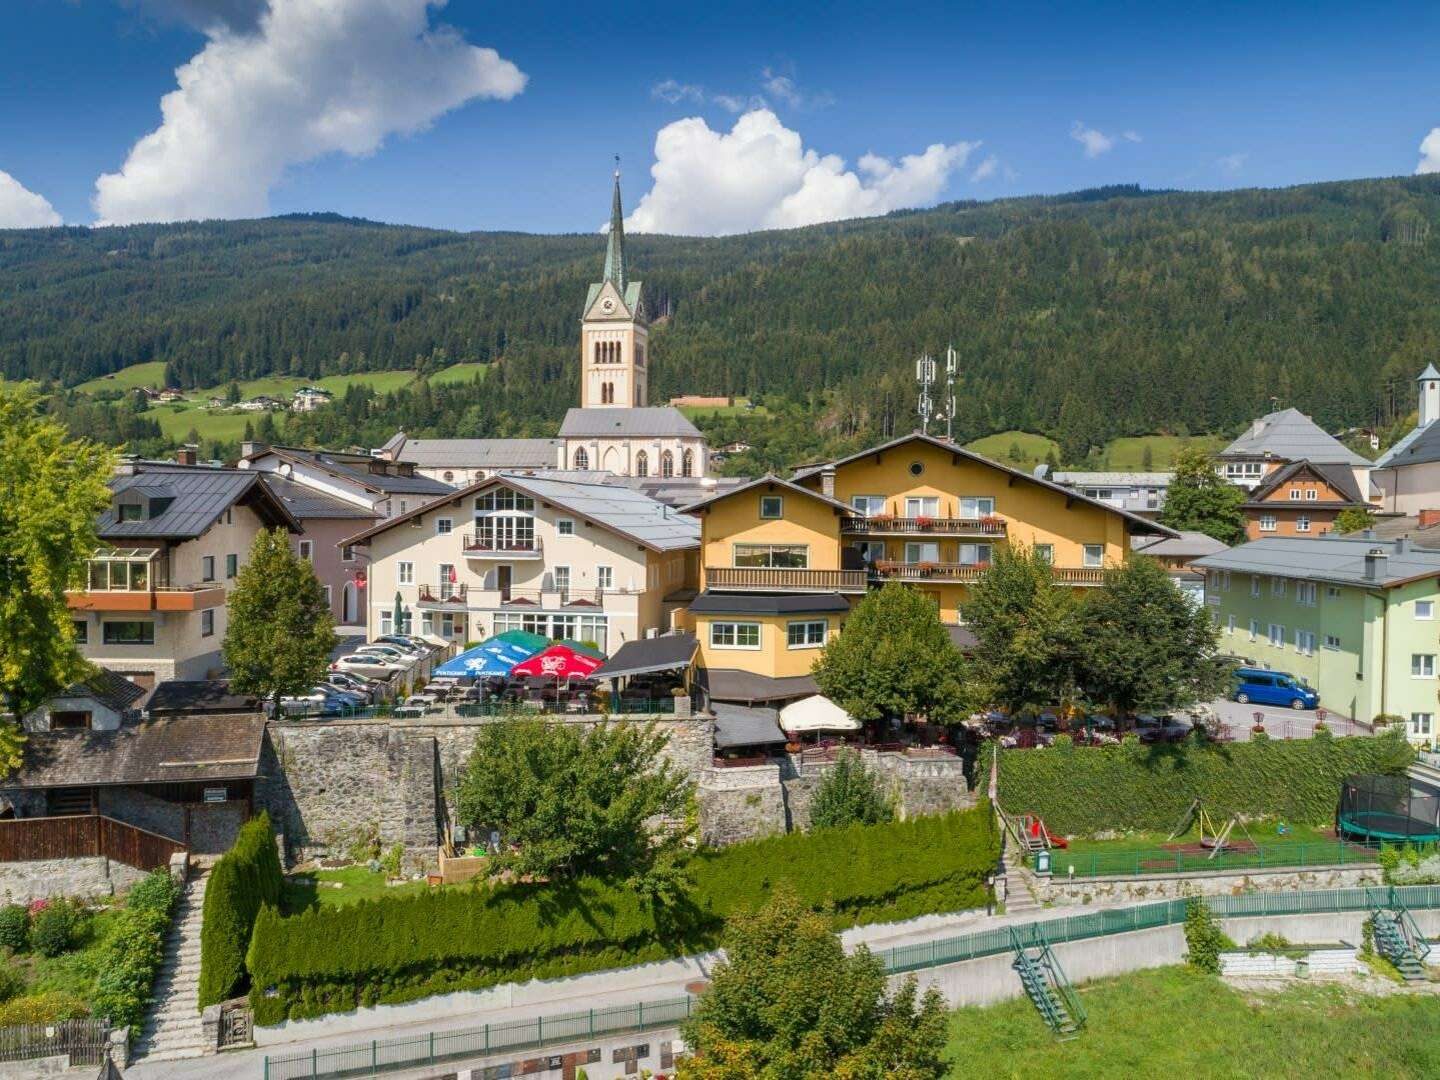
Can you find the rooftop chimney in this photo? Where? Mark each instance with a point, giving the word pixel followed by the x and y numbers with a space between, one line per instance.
pixel 1429 518
pixel 827 481
pixel 1373 566
pixel 186 454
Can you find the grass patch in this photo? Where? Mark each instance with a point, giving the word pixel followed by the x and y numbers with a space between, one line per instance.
pixel 1128 454
pixel 1003 447
pixel 459 373
pixel 739 408
pixel 336 888
pixel 1177 1022
pixel 71 972
pixel 1264 833
pixel 149 374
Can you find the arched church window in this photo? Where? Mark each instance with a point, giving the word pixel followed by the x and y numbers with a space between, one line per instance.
pixel 642 464
pixel 687 463
pixel 599 347
pixel 582 459
pixel 667 464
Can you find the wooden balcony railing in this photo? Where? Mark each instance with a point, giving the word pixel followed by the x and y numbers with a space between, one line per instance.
pixel 964 573
pixel 782 579
pixel 922 526
pixel 495 547
pixel 29 839
pixel 206 594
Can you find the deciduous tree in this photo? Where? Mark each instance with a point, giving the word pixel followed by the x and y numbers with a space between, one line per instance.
pixel 1354 519
pixel 52 488
pixel 894 657
pixel 1200 500
pixel 788 1002
pixel 850 794
pixel 281 633
pixel 568 801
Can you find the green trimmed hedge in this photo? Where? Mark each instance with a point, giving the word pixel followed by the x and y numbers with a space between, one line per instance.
pixel 243 880
pixel 397 949
pixel 133 952
pixel 1084 790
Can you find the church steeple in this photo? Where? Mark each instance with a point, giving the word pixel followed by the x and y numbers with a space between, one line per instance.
pixel 615 248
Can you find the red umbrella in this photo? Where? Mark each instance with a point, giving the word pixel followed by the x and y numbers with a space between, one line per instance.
pixel 558 662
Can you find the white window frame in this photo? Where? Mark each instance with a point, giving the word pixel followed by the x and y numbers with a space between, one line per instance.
pixel 1421 724
pixel 1302 523
pixel 808 637
pixel 868 505
pixel 1312 494
pixel 565 527
pixel 1425 610
pixel 561 578
pixel 922 551
pixel 1225 580
pixel 1255 585
pixel 1277 635
pixel 1305 642
pixel 1093 556
pixel 405 573
pixel 1332 643
pixel 347 552
pixel 307 550
pixel 976 554
pixel 1422 665
pixel 1267 522
pixel 444 526
pixel 1332 592
pixel 973 507
pixel 1230 625
pixel 1254 629
pixel 1305 593
pixel 1278 588
pixel 726 635
pixel 1294 494
pixel 1046 552
pixel 779 502
pixel 605 578
pixel 922 506
pixel 385 624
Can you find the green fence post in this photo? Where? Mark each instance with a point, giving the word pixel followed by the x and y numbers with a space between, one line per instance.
pixel 374 1055
pixel 314 1061
pixel 432 1046
pixel 540 1029
pixel 592 1023
pixel 487 1038
pixel 641 1021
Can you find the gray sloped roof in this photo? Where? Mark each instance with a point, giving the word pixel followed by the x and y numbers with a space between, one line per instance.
pixel 661 421
pixel 305 502
pixel 1335 559
pixel 1114 479
pixel 771 482
pixel 710 603
pixel 732 684
pixel 1290 435
pixel 624 510
pixel 481 453
pixel 198 496
pixel 108 688
pixel 1420 447
pixel 1188 545
pixel 357 468
pixel 1338 477
pixel 746 725
pixel 664 653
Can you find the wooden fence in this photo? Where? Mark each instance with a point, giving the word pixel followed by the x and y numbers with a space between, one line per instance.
pixel 84 1040
pixel 28 839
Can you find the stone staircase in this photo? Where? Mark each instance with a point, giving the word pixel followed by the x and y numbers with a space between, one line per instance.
pixel 173 1029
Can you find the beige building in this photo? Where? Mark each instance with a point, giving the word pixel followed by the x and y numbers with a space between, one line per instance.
pixel 563 558
pixel 175 537
pixel 1408 474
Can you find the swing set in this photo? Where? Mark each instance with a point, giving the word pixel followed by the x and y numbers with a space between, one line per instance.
pixel 1213 838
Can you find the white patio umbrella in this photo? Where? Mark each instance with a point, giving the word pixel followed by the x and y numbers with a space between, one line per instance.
pixel 816 713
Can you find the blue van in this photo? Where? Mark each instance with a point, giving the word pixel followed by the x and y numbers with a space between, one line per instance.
pixel 1273 688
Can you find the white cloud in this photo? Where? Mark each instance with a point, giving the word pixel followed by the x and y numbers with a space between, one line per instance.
pixel 21 208
pixel 1232 163
pixel 760 176
pixel 1097 142
pixel 316 77
pixel 672 91
pixel 985 169
pixel 1430 153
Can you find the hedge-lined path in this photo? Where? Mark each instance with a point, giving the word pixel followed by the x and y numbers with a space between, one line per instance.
pixel 172 1029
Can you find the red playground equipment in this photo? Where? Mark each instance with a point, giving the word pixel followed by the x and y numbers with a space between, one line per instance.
pixel 1032 828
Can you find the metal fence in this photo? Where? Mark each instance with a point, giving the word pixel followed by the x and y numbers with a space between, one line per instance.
pixel 383 1055
pixel 84 1040
pixel 1169 861
pixel 361 1059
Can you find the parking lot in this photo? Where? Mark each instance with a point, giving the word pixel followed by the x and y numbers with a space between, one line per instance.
pixel 1281 723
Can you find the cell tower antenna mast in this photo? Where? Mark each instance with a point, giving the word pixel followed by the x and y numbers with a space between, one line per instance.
pixel 951 365
pixel 925 376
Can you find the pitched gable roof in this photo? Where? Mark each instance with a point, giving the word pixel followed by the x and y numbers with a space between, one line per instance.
pixel 358 469
pixel 1338 477
pixel 657 421
pixel 197 496
pixel 770 480
pixel 1419 447
pixel 1291 435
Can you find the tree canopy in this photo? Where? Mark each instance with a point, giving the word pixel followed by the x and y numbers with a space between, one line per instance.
pixel 280 633
pixel 1200 500
pixel 894 657
pixel 850 793
pixel 788 1003
pixel 1355 519
pixel 52 488
pixel 569 801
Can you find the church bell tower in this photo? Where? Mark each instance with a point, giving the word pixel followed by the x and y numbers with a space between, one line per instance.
pixel 613 329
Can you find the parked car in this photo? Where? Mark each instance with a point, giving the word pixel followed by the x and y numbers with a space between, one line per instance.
pixel 1161 729
pixel 346 697
pixel 404 644
pixel 368 664
pixel 1273 688
pixel 390 652
pixel 344 680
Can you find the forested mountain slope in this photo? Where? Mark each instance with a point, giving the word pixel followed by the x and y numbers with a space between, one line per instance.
pixel 1085 316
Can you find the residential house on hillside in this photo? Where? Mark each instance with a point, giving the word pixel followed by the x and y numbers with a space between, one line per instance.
pixel 175 537
pixel 1301 498
pixel 1408 474
pixel 783 560
pixel 1281 437
pixel 1137 492
pixel 1353 616
pixel 310 398
pixel 567 559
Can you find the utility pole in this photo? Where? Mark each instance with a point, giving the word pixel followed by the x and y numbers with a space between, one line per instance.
pixel 925 376
pixel 950 368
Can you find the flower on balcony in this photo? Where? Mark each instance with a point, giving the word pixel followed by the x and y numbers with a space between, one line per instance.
pixel 982 566
pixel 992 521
pixel 927 567
pixel 883 519
pixel 923 522
pixel 885 566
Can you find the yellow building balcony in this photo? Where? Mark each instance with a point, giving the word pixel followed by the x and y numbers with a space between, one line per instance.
pixel 967 573
pixel 782 579
pixel 923 526
pixel 162 598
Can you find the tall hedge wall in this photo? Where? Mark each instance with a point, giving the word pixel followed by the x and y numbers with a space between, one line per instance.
pixel 245 879
pixel 1083 790
pixel 397 949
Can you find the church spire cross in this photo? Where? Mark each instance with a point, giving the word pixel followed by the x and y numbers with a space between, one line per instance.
pixel 615 247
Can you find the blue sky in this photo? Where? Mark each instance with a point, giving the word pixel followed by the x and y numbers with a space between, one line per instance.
pixel 1057 97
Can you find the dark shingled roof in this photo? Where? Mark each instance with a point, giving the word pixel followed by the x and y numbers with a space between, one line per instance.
pixel 173 750
pixel 108 688
pixel 307 503
pixel 197 496
pixel 357 469
pixel 730 684
pixel 743 725
pixel 1339 477
pixel 200 696
pixel 710 603
pixel 664 653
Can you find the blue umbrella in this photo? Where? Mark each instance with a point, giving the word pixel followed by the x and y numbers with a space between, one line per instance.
pixel 486 659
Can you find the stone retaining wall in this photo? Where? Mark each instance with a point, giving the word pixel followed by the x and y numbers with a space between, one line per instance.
pixel 88 877
pixel 1108 891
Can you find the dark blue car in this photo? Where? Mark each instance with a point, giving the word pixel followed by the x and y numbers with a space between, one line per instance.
pixel 1273 688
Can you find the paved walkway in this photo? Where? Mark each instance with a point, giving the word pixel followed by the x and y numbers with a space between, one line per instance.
pixel 173 1030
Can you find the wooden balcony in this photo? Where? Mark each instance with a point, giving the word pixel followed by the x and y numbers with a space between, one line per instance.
pixel 922 526
pixel 782 579
pixel 967 573
pixel 490 547
pixel 166 598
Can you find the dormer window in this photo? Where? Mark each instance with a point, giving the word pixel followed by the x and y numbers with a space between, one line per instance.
pixel 130 512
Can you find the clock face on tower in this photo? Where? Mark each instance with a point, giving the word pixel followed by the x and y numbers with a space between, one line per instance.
pixel 607 305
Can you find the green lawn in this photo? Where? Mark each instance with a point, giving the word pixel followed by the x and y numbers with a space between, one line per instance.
pixel 1033 448
pixel 1128 454
pixel 318 888
pixel 177 420
pixel 72 973
pixel 459 373
pixel 739 408
pixel 151 374
pixel 1263 832
pixel 1174 1023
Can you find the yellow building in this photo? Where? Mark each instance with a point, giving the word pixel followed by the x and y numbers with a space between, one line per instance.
pixel 782 560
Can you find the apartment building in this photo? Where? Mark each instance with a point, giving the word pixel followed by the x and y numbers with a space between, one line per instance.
pixel 1139 492
pixel 567 559
pixel 1354 617
pixel 1301 498
pixel 783 560
pixel 174 538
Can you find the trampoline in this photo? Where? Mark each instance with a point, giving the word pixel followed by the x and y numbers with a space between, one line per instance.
pixel 1388 809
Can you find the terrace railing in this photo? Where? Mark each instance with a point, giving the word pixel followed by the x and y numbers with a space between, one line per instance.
pixel 783 579
pixel 922 526
pixel 81 835
pixel 501 547
pixel 964 573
